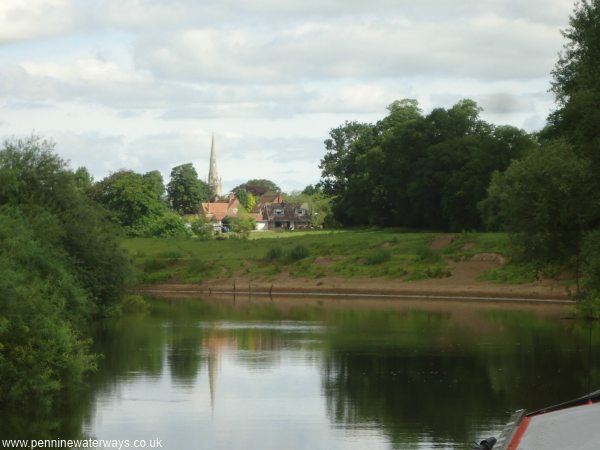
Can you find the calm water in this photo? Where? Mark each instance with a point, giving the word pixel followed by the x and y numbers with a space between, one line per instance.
pixel 202 375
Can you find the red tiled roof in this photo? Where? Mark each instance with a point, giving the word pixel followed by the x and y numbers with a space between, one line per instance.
pixel 217 210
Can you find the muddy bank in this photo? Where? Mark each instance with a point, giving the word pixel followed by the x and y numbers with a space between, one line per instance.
pixel 450 288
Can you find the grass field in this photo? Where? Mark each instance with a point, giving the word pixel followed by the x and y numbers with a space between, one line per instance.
pixel 315 254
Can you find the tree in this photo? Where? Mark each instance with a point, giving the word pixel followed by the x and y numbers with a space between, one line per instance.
pixel 311 189
pixel 576 84
pixel 202 227
pixel 242 225
pixel 185 191
pixel 246 198
pixel 129 196
pixel 550 198
pixel 546 199
pixel 426 172
pixel 61 265
pixel 258 187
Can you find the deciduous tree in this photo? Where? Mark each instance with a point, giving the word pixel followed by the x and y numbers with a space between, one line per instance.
pixel 185 191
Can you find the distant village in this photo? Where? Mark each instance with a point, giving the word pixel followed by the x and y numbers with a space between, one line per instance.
pixel 271 211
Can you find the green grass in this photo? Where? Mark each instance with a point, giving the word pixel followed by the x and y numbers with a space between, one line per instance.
pixel 308 254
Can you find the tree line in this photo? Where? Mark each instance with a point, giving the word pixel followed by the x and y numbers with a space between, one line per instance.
pixel 415 170
pixel 144 207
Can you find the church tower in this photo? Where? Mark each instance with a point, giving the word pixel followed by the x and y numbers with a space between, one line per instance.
pixel 214 181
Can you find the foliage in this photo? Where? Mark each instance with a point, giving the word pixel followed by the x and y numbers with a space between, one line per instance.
pixel 136 202
pixel 274 254
pixel 590 259
pixel 298 252
pixel 258 187
pixel 242 225
pixel 378 257
pixel 512 273
pixel 311 190
pixel 588 307
pixel 566 201
pixel 134 304
pixel 202 227
pixel 167 224
pixel 129 196
pixel 547 200
pixel 426 254
pixel 576 83
pixel 295 253
pixel 246 198
pixel 60 266
pixel 414 170
pixel 185 191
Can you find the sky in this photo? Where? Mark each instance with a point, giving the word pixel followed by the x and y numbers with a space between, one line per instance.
pixel 144 84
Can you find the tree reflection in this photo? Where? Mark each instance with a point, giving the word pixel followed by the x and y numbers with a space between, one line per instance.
pixel 434 380
pixel 416 376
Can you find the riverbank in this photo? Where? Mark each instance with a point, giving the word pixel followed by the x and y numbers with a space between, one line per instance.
pixel 462 284
pixel 352 263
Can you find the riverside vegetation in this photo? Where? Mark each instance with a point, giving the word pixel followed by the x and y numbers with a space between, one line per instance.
pixel 61 267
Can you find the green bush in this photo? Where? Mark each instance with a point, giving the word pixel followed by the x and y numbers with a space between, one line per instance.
pixel 378 257
pixel 134 304
pixel 589 306
pixel 202 228
pixel 241 226
pixel 165 224
pixel 426 254
pixel 274 254
pixel 590 259
pixel 298 252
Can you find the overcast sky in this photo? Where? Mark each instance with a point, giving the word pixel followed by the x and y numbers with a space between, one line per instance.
pixel 142 84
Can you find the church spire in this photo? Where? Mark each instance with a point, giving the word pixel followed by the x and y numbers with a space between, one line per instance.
pixel 214 181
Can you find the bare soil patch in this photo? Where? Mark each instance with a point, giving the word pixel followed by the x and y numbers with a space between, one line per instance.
pixel 442 241
pixel 489 257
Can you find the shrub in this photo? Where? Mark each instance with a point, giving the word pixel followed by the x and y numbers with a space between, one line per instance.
pixel 299 252
pixel 378 257
pixel 589 306
pixel 242 225
pixel 202 228
pixel 274 254
pixel 167 224
pixel 590 259
pixel 134 304
pixel 427 255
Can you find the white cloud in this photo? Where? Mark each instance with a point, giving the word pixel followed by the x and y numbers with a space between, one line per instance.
pixel 31 19
pixel 487 47
pixel 141 84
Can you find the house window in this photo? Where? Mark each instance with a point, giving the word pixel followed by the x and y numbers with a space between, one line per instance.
pixel 300 211
pixel 278 212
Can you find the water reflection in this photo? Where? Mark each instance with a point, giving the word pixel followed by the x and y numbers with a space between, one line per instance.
pixel 207 375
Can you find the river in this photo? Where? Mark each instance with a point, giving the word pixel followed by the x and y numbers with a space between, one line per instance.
pixel 215 375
